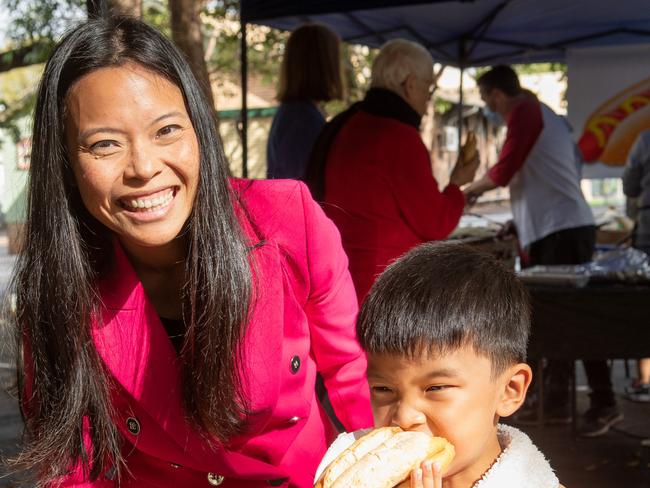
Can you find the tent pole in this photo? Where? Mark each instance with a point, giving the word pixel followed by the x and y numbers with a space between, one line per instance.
pixel 244 101
pixel 462 52
pixel 460 109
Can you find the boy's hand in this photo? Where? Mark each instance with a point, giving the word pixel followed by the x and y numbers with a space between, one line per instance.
pixel 428 475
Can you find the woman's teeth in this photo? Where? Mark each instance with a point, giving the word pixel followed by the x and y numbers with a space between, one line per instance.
pixel 150 204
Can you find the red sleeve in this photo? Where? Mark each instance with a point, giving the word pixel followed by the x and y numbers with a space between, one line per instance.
pixel 431 214
pixel 525 124
pixel 332 312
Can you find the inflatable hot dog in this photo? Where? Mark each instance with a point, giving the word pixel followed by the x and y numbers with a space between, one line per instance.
pixel 613 127
pixel 384 458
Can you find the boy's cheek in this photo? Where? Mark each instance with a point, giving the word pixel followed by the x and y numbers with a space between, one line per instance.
pixel 381 415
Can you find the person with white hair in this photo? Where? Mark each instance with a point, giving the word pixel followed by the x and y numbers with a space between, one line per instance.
pixel 373 172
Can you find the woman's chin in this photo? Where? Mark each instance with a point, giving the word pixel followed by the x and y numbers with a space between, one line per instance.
pixel 150 240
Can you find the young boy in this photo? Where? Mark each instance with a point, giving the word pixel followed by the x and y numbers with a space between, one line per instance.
pixel 446 328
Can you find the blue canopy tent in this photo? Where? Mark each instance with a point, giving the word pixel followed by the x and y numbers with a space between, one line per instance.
pixel 464 33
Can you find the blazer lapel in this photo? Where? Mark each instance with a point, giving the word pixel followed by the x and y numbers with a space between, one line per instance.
pixel 134 345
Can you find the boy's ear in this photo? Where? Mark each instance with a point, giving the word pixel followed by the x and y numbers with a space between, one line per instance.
pixel 516 381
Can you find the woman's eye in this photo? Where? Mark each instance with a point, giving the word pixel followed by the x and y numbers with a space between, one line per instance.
pixel 168 130
pixel 103 146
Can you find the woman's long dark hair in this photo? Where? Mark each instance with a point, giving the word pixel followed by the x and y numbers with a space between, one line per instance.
pixel 66 251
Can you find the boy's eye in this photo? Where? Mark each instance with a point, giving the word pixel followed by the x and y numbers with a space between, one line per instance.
pixel 381 389
pixel 436 388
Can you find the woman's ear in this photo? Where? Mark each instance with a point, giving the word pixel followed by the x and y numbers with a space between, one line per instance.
pixel 515 381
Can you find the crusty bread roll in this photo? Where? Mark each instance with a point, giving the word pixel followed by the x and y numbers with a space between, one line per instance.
pixel 468 151
pixel 384 458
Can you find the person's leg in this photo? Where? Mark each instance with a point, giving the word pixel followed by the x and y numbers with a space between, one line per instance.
pixel 639 391
pixel 558 393
pixel 603 412
pixel 566 247
pixel 552 250
pixel 644 371
pixel 600 383
pixel 643 375
pixel 545 250
pixel 598 373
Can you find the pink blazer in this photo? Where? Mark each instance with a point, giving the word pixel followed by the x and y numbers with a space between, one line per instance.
pixel 302 323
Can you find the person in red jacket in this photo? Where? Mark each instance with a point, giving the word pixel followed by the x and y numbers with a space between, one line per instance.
pixel 373 173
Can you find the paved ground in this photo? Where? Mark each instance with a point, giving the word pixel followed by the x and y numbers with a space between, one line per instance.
pixel 614 460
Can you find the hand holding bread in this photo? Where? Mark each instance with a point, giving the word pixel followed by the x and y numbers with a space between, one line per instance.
pixel 384 458
pixel 469 151
pixel 467 163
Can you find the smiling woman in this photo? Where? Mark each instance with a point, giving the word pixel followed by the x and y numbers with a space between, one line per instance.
pixel 136 162
pixel 172 319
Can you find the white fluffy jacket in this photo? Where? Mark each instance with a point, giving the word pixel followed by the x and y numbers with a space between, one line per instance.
pixel 520 465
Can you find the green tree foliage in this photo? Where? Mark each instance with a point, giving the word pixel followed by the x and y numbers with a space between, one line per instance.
pixel 223 43
pixel 17 97
pixel 156 13
pixel 36 20
pixel 35 26
pixel 265 51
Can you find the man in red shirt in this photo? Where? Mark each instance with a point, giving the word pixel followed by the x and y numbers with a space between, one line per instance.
pixel 375 175
pixel 554 222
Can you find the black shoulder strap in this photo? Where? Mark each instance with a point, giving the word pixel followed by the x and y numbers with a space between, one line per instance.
pixel 315 173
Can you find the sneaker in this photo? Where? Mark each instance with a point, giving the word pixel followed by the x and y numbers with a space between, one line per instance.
pixel 634 386
pixel 598 420
pixel 639 393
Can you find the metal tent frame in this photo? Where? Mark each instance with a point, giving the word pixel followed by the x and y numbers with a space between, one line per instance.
pixel 461 33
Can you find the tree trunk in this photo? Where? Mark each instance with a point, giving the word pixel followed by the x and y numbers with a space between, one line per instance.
pixel 100 8
pixel 186 32
pixel 126 7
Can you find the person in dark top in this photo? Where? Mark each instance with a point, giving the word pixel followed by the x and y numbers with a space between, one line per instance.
pixel 310 74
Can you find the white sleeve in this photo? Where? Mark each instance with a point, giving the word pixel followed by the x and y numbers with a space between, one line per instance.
pixel 342 442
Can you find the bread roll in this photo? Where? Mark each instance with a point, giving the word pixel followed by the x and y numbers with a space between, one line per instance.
pixel 384 458
pixel 468 151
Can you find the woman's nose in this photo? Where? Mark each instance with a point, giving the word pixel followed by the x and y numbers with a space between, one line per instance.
pixel 143 164
pixel 408 417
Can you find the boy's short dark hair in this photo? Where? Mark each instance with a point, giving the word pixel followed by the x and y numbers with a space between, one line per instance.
pixel 439 297
pixel 502 77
